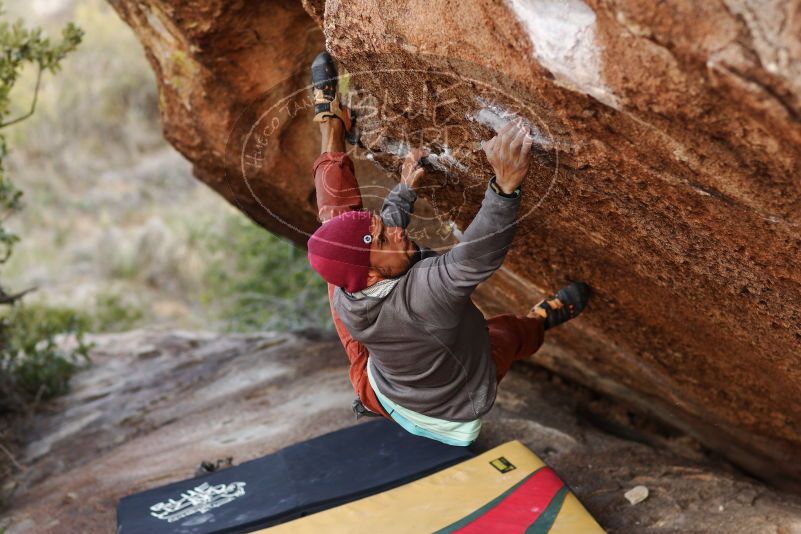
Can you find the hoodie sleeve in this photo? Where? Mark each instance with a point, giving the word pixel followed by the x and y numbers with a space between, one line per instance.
pixel 398 206
pixel 440 286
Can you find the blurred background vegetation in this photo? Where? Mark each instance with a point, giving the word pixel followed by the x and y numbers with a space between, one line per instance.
pixel 115 233
pixel 115 226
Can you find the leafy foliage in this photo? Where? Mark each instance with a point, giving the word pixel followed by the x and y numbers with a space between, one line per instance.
pixel 32 363
pixel 36 362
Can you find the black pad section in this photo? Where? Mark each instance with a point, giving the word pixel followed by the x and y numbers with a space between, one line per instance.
pixel 299 480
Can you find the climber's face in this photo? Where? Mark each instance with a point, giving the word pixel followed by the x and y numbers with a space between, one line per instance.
pixel 391 250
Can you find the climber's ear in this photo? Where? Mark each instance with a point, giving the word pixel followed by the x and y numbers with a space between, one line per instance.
pixel 373 276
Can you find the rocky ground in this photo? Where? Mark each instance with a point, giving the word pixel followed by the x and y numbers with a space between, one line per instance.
pixel 155 404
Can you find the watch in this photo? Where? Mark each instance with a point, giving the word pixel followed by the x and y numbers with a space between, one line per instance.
pixel 495 187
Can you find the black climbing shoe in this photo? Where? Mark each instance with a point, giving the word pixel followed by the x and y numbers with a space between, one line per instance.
pixel 324 75
pixel 565 305
pixel 326 99
pixel 360 410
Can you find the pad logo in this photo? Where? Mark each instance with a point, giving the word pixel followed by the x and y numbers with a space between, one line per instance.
pixel 502 464
pixel 199 500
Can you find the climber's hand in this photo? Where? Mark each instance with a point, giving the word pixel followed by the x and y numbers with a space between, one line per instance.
pixel 508 153
pixel 411 170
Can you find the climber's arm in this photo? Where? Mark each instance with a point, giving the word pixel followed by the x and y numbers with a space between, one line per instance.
pixel 445 283
pixel 399 203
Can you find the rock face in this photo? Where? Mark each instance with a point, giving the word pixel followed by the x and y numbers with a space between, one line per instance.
pixel 666 171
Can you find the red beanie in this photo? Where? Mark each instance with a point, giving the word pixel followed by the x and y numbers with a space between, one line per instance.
pixel 340 250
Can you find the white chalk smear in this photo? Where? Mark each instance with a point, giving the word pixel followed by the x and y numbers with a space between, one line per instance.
pixel 442 161
pixel 496 117
pixel 445 162
pixel 562 33
pixel 396 148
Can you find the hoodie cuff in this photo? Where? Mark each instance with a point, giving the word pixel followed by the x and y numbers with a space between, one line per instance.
pixel 406 192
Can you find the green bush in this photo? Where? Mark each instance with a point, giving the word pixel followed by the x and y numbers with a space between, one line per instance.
pixel 260 281
pixel 42 347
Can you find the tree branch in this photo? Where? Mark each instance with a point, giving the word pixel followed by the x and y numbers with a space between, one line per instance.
pixel 5 298
pixel 33 104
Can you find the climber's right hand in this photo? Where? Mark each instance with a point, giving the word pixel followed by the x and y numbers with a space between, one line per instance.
pixel 508 153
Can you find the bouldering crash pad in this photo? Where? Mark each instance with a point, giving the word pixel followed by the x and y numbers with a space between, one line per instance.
pixel 304 478
pixel 505 490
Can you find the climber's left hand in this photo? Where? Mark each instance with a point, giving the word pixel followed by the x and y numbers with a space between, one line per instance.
pixel 411 171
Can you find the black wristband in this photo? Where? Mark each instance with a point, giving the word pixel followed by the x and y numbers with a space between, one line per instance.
pixel 495 187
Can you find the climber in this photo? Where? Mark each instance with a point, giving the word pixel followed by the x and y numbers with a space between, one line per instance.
pixel 421 352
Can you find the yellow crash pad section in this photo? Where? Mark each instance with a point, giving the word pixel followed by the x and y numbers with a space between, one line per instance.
pixel 443 499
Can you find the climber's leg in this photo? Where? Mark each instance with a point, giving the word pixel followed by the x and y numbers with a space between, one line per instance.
pixel 332 135
pixel 338 191
pixel 334 179
pixel 565 305
pixel 357 355
pixel 513 338
pixel 335 185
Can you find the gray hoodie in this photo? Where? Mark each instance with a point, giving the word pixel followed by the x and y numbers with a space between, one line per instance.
pixel 428 343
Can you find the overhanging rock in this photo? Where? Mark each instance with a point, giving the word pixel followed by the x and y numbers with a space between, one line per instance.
pixel 667 169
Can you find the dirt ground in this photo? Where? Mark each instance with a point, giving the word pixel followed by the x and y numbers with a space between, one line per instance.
pixel 155 404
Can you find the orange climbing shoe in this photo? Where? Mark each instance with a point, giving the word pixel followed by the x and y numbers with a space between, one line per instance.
pixel 565 305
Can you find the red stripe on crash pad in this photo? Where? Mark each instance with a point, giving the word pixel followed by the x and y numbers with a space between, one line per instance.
pixel 520 508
